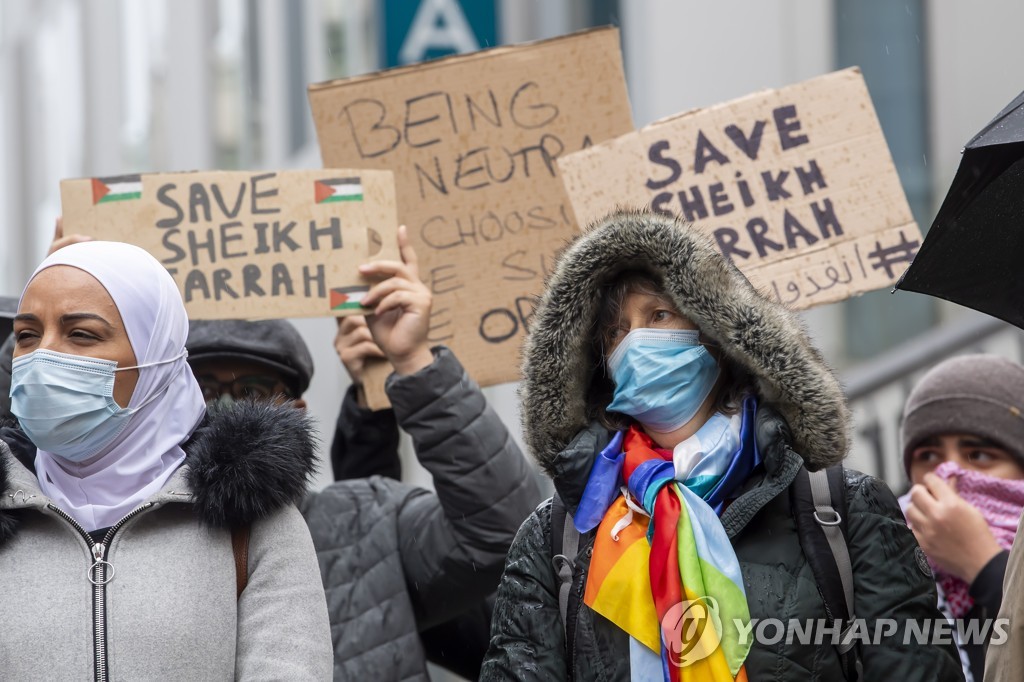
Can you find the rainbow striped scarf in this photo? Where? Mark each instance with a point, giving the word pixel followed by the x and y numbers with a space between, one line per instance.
pixel 663 568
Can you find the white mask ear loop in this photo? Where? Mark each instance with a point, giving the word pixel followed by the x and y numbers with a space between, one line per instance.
pixel 179 356
pixel 627 518
pixel 159 392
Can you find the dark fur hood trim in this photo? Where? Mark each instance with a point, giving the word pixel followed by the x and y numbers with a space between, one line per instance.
pixel 758 334
pixel 248 461
pixel 244 463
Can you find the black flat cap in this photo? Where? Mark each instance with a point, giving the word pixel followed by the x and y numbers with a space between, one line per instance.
pixel 276 343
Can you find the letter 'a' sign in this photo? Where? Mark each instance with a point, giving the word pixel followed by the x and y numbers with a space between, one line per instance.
pixel 248 244
pixel 473 140
pixel 796 185
pixel 417 30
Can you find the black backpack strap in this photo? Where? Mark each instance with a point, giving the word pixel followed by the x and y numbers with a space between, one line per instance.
pixel 820 511
pixel 565 544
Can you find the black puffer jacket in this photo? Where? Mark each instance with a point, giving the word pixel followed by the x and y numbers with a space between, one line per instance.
pixel 802 419
pixel 395 559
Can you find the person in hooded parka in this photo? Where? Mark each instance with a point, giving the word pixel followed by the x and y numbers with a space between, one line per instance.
pixel 674 407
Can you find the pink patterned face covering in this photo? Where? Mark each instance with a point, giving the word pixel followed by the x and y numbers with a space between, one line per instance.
pixel 999 500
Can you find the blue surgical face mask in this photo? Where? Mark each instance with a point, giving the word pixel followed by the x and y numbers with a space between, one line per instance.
pixel 65 403
pixel 662 377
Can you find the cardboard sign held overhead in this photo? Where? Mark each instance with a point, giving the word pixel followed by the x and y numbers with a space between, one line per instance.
pixel 473 141
pixel 248 244
pixel 796 185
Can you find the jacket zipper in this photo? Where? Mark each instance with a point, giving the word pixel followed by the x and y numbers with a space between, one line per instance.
pixel 98 577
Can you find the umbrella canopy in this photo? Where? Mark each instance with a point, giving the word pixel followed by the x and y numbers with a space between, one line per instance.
pixel 974 252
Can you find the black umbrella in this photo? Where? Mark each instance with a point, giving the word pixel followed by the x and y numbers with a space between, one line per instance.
pixel 974 252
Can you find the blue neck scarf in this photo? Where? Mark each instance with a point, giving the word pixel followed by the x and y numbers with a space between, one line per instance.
pixel 605 481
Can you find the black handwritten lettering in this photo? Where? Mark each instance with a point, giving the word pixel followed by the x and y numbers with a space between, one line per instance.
pixel 891 256
pixel 195 246
pixel 727 238
pixel 436 180
pixel 437 280
pixel 543 113
pixel 387 136
pixel 221 286
pixel 748 145
pixel 251 281
pixel 720 203
pixel 218 197
pixel 195 281
pixel 518 273
pixel 332 230
pixel 525 307
pixel 282 236
pixel 227 237
pixel 428 232
pixel 659 204
pixel 547 156
pixel 433 334
pixel 655 154
pixel 411 124
pixel 498 325
pixel 787 124
pixel 795 230
pixel 469 231
pixel 256 195
pixel 509 159
pixel 773 185
pixel 441 232
pixel 319 277
pixel 514 223
pixel 825 216
pixel 693 209
pixel 198 199
pixel 490 227
pixel 163 195
pixel 757 228
pixel 538 219
pixel 705 152
pixel 461 173
pixel 473 108
pixel 280 280
pixel 262 243
pixel 744 187
pixel 177 252
pixel 810 177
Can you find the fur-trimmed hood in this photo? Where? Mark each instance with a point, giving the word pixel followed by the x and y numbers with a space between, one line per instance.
pixel 243 463
pixel 755 333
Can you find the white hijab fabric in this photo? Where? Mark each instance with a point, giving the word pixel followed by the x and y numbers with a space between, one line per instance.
pixel 101 491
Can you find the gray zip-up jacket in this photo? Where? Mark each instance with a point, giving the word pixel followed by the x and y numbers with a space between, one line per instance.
pixel 168 608
pixel 397 559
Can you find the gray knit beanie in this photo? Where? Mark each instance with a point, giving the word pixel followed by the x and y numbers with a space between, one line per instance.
pixel 982 395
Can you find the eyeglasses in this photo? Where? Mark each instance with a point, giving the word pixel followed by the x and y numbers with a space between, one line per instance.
pixel 253 387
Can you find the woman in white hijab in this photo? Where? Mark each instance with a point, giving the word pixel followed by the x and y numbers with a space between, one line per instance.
pixel 141 538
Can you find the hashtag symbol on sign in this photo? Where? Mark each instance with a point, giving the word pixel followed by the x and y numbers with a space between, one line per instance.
pixel 889 257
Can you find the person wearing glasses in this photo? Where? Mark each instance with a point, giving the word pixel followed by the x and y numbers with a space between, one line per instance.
pixel 237 360
pixel 435 556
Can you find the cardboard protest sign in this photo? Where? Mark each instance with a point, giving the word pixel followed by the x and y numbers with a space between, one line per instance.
pixel 796 185
pixel 246 244
pixel 473 142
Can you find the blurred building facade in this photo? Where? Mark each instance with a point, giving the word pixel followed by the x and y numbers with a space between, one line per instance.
pixel 106 87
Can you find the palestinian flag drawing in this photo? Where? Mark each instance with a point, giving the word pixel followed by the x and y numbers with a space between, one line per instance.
pixel 338 189
pixel 119 188
pixel 348 298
